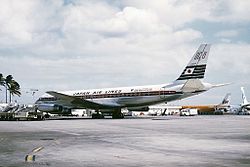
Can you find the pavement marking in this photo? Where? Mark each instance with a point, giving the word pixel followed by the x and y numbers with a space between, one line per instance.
pixel 119 157
pixel 2 139
pixel 30 158
pixel 69 133
pixel 35 150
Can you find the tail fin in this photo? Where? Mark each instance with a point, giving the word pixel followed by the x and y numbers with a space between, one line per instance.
pixel 226 100
pixel 197 65
pixel 244 96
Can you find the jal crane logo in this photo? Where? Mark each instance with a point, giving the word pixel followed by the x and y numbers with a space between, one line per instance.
pixel 189 71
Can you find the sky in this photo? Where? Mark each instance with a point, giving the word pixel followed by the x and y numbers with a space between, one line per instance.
pixel 83 44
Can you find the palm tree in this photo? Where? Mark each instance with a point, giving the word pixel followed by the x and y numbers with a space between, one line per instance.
pixel 1 80
pixel 14 89
pixel 8 80
pixel 10 85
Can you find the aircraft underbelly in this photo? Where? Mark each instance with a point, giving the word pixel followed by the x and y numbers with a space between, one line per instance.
pixel 131 101
pixel 146 100
pixel 137 101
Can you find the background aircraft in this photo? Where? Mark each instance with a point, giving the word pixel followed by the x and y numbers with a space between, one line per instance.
pixel 245 105
pixel 112 100
pixel 220 108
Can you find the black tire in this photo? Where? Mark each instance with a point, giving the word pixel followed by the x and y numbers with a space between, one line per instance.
pixel 97 116
pixel 117 115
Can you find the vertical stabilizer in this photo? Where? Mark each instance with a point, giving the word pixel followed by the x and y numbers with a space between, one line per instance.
pixel 197 66
pixel 244 96
pixel 226 100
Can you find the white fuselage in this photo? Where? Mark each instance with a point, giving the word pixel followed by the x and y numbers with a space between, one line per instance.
pixel 136 96
pixel 245 107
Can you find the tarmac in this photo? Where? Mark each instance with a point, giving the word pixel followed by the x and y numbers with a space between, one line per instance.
pixel 208 141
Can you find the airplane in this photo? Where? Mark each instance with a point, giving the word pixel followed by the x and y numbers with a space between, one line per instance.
pixel 3 106
pixel 245 105
pixel 220 108
pixel 112 100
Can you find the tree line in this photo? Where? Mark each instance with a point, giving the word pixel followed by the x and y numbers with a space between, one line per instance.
pixel 11 86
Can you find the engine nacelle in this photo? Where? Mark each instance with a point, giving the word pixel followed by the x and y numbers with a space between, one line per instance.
pixel 49 107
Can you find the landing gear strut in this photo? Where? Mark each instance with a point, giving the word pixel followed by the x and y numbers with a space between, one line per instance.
pixel 97 115
pixel 117 114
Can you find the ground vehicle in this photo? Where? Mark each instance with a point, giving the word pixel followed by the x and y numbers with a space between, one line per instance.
pixel 188 112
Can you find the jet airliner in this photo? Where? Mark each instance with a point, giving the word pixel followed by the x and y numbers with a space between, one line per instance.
pixel 245 105
pixel 222 107
pixel 112 100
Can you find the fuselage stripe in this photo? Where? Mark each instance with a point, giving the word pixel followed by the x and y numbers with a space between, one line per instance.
pixel 128 94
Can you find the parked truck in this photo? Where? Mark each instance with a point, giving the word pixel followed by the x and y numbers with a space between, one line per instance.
pixel 189 112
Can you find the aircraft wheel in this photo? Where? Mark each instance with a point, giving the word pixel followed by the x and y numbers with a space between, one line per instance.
pixel 117 115
pixel 97 116
pixel 46 115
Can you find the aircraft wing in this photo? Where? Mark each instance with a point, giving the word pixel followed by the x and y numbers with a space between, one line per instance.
pixel 75 101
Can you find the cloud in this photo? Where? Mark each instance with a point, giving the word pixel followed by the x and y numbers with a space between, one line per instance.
pixel 85 44
pixel 179 12
pixel 233 56
pixel 227 33
pixel 15 27
pixel 75 30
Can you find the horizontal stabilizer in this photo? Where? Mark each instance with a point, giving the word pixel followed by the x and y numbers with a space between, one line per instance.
pixel 220 85
pixel 192 85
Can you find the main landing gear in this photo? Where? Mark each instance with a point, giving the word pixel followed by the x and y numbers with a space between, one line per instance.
pixel 116 114
pixel 97 115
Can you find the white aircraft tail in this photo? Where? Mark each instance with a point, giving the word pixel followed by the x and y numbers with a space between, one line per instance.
pixel 244 96
pixel 197 66
pixel 226 100
pixel 192 85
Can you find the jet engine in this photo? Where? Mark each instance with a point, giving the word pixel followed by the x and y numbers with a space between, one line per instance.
pixel 49 107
